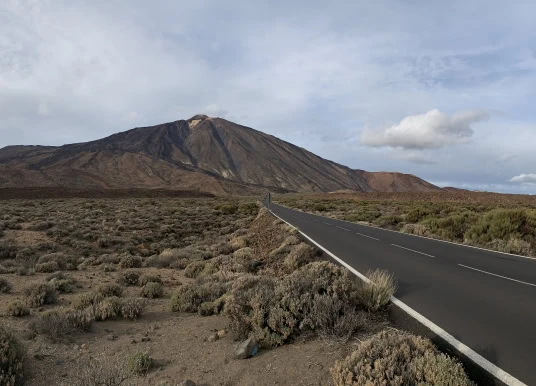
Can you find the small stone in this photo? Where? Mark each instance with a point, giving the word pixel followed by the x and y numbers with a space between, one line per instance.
pixel 76 347
pixel 59 362
pixel 246 349
pixel 83 346
pixel 213 338
pixel 145 339
pixel 39 357
pixel 133 341
pixel 112 337
pixel 221 333
pixel 187 383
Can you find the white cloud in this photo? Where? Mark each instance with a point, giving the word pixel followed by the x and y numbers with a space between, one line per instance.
pixel 431 130
pixel 524 178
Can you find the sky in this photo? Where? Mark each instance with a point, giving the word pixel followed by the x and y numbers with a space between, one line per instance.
pixel 444 90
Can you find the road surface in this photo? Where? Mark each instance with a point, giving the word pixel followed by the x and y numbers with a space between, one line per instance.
pixel 487 300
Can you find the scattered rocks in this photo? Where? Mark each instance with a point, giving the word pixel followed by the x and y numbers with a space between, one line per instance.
pixel 246 349
pixel 145 339
pixel 221 333
pixel 112 337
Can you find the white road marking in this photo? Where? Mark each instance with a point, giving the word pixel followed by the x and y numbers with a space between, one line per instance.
pixel 491 368
pixel 344 229
pixel 412 250
pixel 494 274
pixel 370 237
pixel 326 223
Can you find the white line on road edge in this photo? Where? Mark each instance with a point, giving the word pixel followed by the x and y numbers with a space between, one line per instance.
pixel 344 229
pixel 412 250
pixel 494 370
pixel 370 237
pixel 494 274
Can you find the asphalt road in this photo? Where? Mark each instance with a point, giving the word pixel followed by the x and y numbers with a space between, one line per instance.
pixel 487 300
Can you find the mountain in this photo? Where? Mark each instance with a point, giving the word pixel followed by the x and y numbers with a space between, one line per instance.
pixel 208 154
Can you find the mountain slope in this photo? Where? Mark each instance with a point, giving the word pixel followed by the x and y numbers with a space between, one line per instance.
pixel 209 154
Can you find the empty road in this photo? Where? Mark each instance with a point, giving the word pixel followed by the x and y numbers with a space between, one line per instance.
pixel 487 300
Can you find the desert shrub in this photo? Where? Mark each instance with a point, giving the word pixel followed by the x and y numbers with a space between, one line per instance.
pixel 388 221
pixel 416 214
pixel 109 267
pixel 453 227
pixel 11 359
pixel 395 358
pixel 86 300
pixel 3 269
pixel 130 261
pixel 198 268
pixel 275 311
pixel 152 290
pixel 110 289
pixel 299 255
pixel 131 308
pixel 40 294
pixel 129 278
pixel 5 286
pixel 63 261
pixel 376 293
pixel 104 371
pixel 147 278
pixel 512 245
pixel 227 208
pixel 62 283
pixel 108 308
pixel 502 224
pixel 18 308
pixel 140 363
pixel 319 207
pixel 189 297
pixel 250 208
pixel 415 229
pixel 59 323
pixel 47 267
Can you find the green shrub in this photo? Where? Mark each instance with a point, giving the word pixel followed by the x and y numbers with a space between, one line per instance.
pixel 18 308
pixel 453 227
pixel 59 323
pixel 40 294
pixel 198 268
pixel 502 224
pixel 396 358
pixel 388 221
pixel 227 208
pixel 110 289
pixel 249 208
pixel 152 290
pixel 319 207
pixel 377 293
pixel 11 359
pixel 140 363
pixel 5 286
pixel 416 214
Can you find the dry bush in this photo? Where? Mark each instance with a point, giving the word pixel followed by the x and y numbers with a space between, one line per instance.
pixel 395 358
pixel 62 283
pixel 140 363
pixel 131 308
pixel 189 297
pixel 129 261
pixel 108 308
pixel 47 267
pixel 152 290
pixel 129 278
pixel 11 359
pixel 276 310
pixel 416 229
pixel 376 293
pixel 101 372
pixel 86 300
pixel 110 289
pixel 199 268
pixel 147 278
pixel 18 308
pixel 63 261
pixel 5 286
pixel 299 256
pixel 60 323
pixel 40 294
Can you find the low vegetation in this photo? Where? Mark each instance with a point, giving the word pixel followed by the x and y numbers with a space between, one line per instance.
pixel 11 359
pixel 506 223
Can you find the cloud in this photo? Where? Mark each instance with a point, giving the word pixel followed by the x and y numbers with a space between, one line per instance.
pixel 524 178
pixel 431 130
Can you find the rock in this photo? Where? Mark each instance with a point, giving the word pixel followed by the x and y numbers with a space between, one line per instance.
pixel 59 362
pixel 213 338
pixel 187 383
pixel 221 333
pixel 145 339
pixel 246 349
pixel 133 341
pixel 112 337
pixel 39 357
pixel 76 347
pixel 83 346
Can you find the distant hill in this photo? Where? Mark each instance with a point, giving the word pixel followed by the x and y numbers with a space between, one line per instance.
pixel 205 154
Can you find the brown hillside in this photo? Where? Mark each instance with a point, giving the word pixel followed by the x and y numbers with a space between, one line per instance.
pixel 207 154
